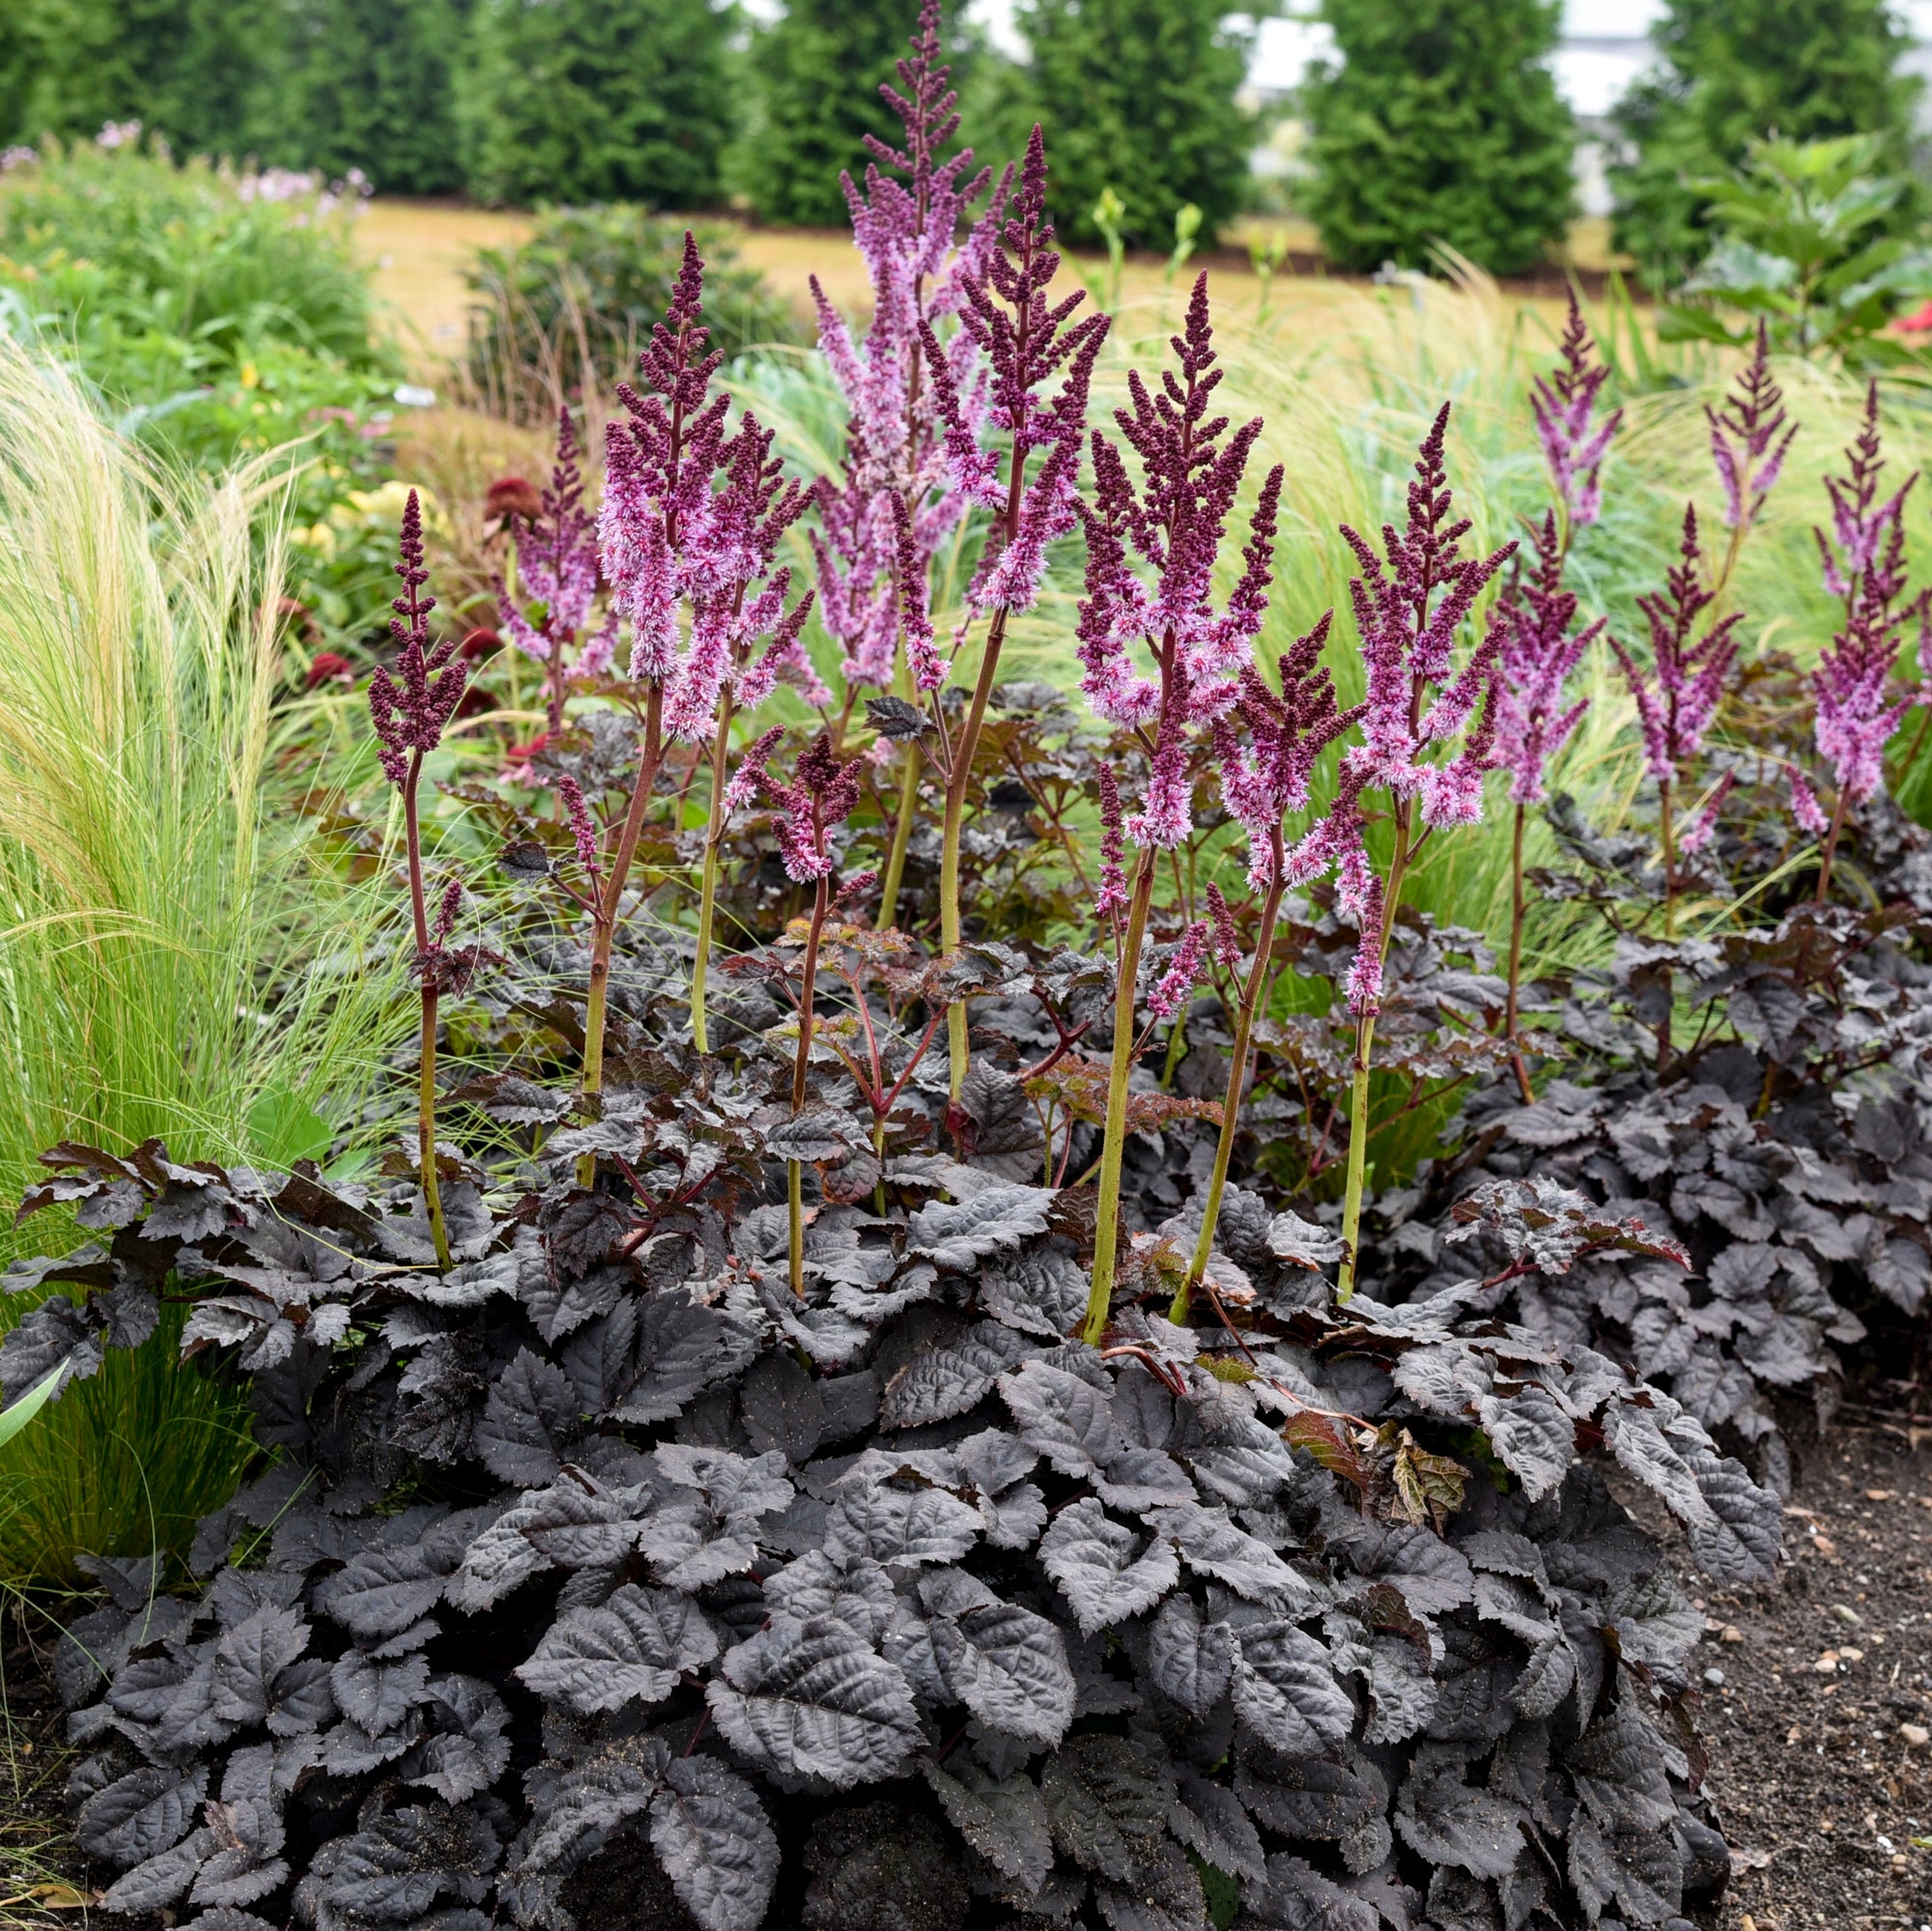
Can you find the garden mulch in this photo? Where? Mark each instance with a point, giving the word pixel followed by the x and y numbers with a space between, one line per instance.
pixel 1819 1726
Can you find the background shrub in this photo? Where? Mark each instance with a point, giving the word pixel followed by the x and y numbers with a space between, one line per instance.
pixel 1732 70
pixel 1134 95
pixel 1440 124
pixel 818 69
pixel 193 69
pixel 369 84
pixel 598 101
pixel 567 309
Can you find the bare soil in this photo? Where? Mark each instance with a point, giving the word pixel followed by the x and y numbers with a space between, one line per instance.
pixel 1821 1763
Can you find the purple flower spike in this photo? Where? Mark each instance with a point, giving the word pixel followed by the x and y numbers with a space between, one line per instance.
pixel 1024 341
pixel 1112 898
pixel 1418 742
pixel 556 559
pixel 1865 563
pixel 1749 436
pixel 1704 826
pixel 906 217
pixel 1805 804
pixel 1408 611
pixel 582 827
pixel 1183 971
pixel 1151 551
pixel 1564 405
pixel 821 795
pixel 1226 946
pixel 1538 654
pixel 1268 777
pixel 411 708
pixel 694 515
pixel 1677 700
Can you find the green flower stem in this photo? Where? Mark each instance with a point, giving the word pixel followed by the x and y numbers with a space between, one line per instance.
pixel 432 1190
pixel 895 858
pixel 1113 1146
pixel 958 779
pixel 1252 994
pixel 1830 847
pixel 1365 1037
pixel 821 904
pixel 1512 1030
pixel 604 918
pixel 707 899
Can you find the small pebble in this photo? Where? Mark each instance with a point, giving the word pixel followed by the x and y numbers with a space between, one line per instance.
pixel 1731 1634
pixel 1915 1736
pixel 1827 1663
pixel 1715 1678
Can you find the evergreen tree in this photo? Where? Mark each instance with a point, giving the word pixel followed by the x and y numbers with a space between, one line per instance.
pixel 1440 122
pixel 369 84
pixel 1134 95
pixel 581 100
pixel 1733 69
pixel 184 69
pixel 818 69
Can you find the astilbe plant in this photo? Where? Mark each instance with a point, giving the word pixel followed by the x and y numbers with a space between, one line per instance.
pixel 1857 706
pixel 1161 660
pixel 669 1550
pixel 410 710
pixel 692 518
pixel 557 567
pixel 1428 736
pixel 884 521
pixel 1541 646
pixel 1024 341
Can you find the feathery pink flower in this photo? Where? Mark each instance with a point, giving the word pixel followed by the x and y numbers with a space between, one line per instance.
pixel 1183 969
pixel 819 796
pixel 1805 804
pixel 906 221
pixel 1678 697
pixel 1704 826
pixel 1151 551
pixel 1749 437
pixel 557 562
pixel 1226 946
pixel 1564 405
pixel 1857 706
pixel 1266 766
pixel 1537 655
pixel 411 708
pixel 1024 341
pixel 1111 901
pixel 1418 742
pixel 582 827
pixel 693 514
